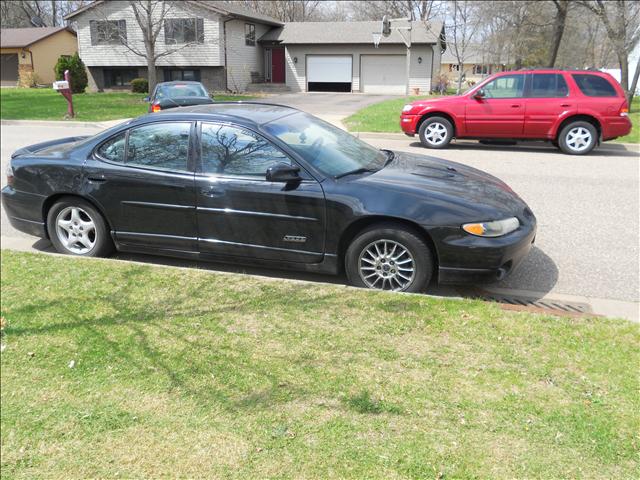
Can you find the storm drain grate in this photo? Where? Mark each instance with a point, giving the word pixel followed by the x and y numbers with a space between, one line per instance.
pixel 546 304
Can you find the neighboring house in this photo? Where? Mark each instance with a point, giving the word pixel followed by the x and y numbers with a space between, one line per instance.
pixel 340 56
pixel 26 52
pixel 477 64
pixel 196 31
pixel 230 48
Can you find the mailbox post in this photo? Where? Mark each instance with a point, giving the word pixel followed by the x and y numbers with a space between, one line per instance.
pixel 64 87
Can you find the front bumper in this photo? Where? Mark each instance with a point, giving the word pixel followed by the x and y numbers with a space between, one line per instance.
pixel 408 123
pixel 24 211
pixel 465 258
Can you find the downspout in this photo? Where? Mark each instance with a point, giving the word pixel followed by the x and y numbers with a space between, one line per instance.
pixel 226 65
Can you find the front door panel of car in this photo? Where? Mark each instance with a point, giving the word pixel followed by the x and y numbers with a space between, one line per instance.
pixel 500 113
pixel 242 214
pixel 148 194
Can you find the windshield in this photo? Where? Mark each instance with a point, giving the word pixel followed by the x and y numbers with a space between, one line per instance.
pixel 182 90
pixel 332 151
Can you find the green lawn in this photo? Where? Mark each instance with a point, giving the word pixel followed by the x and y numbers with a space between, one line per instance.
pixel 46 104
pixel 379 117
pixel 122 370
pixel 385 117
pixel 634 115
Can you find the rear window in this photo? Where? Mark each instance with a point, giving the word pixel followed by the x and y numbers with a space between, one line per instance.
pixel 594 86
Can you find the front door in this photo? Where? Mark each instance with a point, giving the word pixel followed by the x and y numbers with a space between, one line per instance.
pixel 500 113
pixel 148 194
pixel 277 65
pixel 241 214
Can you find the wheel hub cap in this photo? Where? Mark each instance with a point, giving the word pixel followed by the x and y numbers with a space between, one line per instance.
pixel 436 133
pixel 578 139
pixel 386 265
pixel 76 230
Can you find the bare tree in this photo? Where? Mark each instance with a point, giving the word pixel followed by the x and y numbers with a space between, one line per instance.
pixel 463 28
pixel 621 20
pixel 285 10
pixel 562 8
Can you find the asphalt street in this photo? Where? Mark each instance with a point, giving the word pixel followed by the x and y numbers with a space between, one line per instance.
pixel 587 209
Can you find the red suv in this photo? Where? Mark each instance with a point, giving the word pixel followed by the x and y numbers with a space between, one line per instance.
pixel 575 110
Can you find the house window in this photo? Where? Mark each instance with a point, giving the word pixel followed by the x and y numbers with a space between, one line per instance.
pixel 179 31
pixel 454 67
pixel 119 77
pixel 249 34
pixel 108 32
pixel 481 69
pixel 172 74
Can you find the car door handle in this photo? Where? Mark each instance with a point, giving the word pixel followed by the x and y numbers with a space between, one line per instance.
pixel 565 105
pixel 515 106
pixel 211 192
pixel 97 178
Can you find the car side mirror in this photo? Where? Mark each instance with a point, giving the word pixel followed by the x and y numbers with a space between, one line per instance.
pixel 283 172
pixel 480 94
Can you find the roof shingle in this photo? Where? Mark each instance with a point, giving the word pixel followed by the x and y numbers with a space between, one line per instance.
pixel 23 37
pixel 349 32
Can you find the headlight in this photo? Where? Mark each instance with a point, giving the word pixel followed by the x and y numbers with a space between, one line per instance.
pixel 407 108
pixel 492 229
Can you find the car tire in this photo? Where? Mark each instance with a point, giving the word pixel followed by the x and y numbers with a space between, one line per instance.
pixel 77 228
pixel 578 138
pixel 436 132
pixel 408 267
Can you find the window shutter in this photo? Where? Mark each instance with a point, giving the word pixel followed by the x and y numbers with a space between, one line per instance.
pixel 200 30
pixel 122 31
pixel 94 32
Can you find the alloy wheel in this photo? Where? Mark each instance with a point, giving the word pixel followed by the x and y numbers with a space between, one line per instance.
pixel 579 139
pixel 76 230
pixel 386 265
pixel 435 133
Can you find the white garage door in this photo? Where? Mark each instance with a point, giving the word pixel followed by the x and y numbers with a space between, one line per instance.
pixel 327 72
pixel 384 74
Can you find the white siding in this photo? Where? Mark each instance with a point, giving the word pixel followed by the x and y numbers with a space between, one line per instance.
pixel 419 73
pixel 243 59
pixel 207 54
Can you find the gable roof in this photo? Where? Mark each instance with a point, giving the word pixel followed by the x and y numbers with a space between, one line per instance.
pixel 221 8
pixel 23 37
pixel 349 32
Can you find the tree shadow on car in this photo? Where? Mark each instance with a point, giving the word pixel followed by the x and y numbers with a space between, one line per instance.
pixel 605 149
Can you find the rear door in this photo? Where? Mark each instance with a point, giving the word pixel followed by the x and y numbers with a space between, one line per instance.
pixel 241 214
pixel 500 114
pixel 547 101
pixel 144 181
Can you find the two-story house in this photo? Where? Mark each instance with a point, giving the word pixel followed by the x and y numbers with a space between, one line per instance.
pixel 228 47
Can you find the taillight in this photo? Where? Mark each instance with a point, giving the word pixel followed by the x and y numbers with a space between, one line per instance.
pixel 10 177
pixel 624 111
pixel 155 108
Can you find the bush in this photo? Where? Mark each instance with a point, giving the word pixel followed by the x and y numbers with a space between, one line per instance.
pixel 77 72
pixel 140 85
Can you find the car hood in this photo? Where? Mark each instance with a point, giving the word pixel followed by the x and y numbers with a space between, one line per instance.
pixel 445 182
pixel 431 101
pixel 166 103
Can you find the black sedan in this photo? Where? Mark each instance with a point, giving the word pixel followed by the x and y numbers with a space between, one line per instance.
pixel 268 185
pixel 177 94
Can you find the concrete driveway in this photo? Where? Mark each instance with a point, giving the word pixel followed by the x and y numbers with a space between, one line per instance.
pixel 333 105
pixel 587 208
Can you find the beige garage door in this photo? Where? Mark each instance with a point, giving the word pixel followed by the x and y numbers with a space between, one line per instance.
pixel 383 74
pixel 9 69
